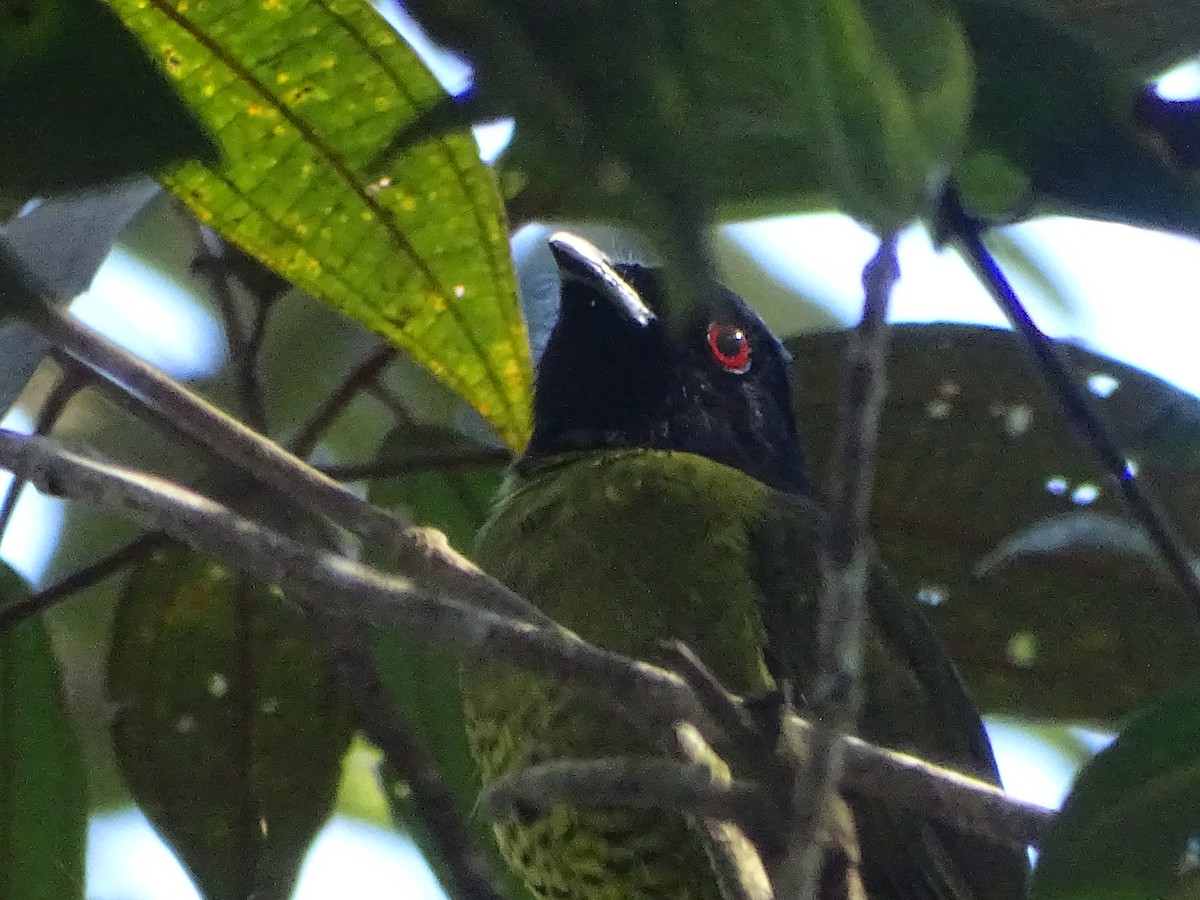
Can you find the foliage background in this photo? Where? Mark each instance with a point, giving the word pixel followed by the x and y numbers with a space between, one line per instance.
pixel 1050 599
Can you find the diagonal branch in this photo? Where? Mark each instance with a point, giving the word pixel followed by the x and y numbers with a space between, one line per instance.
pixel 329 585
pixel 966 231
pixel 428 559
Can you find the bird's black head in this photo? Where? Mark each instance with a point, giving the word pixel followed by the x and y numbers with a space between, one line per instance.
pixel 617 374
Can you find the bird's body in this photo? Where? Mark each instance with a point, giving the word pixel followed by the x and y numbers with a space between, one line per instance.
pixel 541 721
pixel 667 499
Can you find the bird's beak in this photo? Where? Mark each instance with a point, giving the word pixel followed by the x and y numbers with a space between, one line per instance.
pixel 581 261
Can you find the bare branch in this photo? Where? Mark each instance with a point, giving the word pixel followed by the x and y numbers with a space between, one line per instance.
pixel 961 801
pixel 331 585
pixel 736 861
pixel 348 588
pixel 845 563
pixel 428 561
pixel 467 869
pixel 628 781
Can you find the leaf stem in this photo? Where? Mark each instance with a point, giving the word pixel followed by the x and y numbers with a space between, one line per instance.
pixel 845 562
pixel 967 233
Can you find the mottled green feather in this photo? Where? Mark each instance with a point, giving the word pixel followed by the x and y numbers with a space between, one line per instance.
pixel 611 549
pixel 633 547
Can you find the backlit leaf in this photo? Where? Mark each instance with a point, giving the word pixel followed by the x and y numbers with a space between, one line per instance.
pixel 303 95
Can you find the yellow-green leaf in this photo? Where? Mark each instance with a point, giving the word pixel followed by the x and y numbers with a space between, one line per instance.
pixel 302 96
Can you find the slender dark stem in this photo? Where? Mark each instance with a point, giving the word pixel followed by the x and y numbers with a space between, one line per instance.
pixel 391 400
pixel 13 614
pixel 439 461
pixel 845 562
pixel 966 231
pixel 465 866
pixel 68 385
pixel 335 404
pixel 210 262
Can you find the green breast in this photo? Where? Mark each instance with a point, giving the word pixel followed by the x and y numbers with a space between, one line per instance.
pixel 628 550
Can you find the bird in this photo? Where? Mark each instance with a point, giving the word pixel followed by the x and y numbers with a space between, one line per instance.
pixel 664 495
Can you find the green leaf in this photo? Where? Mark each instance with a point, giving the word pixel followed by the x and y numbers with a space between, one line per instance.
pixel 1061 113
pixel 973 452
pixel 1147 37
pixel 425 680
pixel 302 95
pixel 1129 826
pixel 229 728
pixel 80 103
pixel 43 792
pixel 892 85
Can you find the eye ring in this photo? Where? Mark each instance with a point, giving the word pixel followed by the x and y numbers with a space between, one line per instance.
pixel 730 347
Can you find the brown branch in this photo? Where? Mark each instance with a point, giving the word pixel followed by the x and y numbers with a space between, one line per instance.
pixel 736 861
pixel 346 587
pixel 328 584
pixel 12 614
pixel 627 781
pixel 335 404
pixel 427 559
pixel 433 461
pixel 845 562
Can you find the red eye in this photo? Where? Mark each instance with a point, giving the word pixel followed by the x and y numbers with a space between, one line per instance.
pixel 730 347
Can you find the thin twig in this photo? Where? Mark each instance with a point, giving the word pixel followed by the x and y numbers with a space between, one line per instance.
pixel 736 861
pixel 391 400
pixel 335 404
pixel 629 781
pixel 961 801
pixel 216 429
pixel 68 385
pixel 746 742
pixel 966 231
pixel 467 869
pixel 13 614
pixel 845 562
pixel 333 585
pixel 433 461
pixel 421 554
pixel 210 261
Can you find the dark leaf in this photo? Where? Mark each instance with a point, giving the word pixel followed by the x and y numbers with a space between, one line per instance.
pixel 229 729
pixel 1130 828
pixel 1063 115
pixel 973 453
pixel 80 102
pixel 715 107
pixel 43 792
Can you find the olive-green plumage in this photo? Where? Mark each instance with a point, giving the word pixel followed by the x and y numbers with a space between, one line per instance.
pixel 665 528
pixel 615 526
